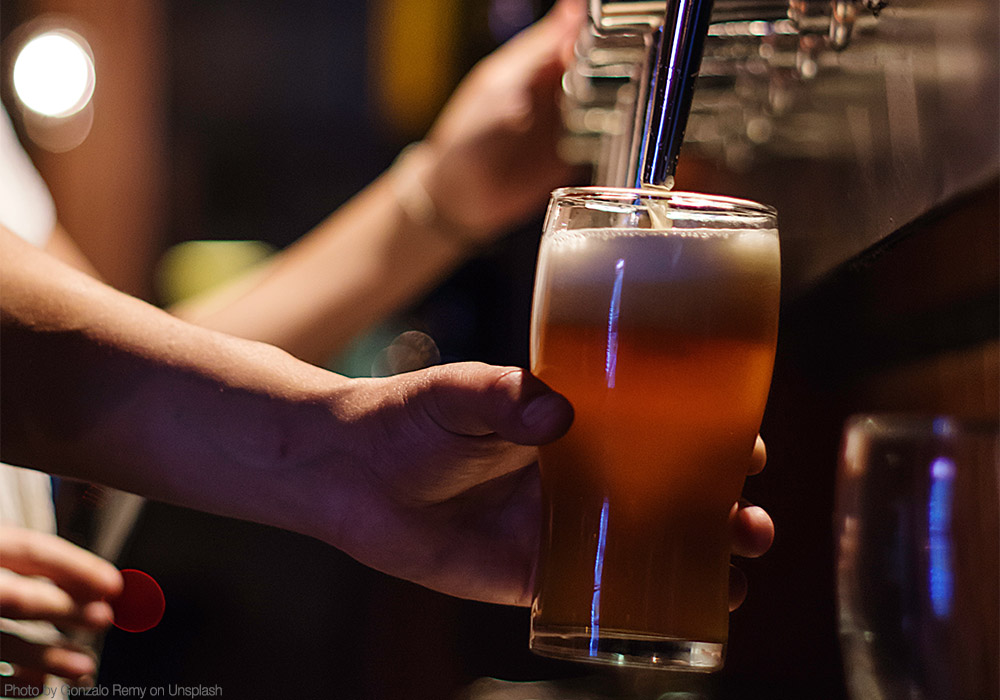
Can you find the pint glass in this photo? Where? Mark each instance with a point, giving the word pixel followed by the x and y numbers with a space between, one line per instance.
pixel 656 314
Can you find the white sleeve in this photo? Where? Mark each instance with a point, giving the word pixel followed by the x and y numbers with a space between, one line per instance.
pixel 26 207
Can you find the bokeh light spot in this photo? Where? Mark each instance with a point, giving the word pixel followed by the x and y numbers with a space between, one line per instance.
pixel 54 74
pixel 141 605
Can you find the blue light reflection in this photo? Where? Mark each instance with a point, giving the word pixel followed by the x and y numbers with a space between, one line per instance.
pixel 611 361
pixel 939 535
pixel 595 604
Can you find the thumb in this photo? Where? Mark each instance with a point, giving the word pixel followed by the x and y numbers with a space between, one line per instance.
pixel 471 398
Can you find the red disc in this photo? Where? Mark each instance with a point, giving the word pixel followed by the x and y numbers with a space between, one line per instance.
pixel 141 603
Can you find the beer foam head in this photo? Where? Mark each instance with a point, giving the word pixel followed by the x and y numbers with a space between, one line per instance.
pixel 667 276
pixel 651 254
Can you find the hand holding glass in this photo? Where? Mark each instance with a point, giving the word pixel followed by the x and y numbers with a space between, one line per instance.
pixel 656 315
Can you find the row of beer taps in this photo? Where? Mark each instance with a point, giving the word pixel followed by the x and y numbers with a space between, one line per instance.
pixel 631 90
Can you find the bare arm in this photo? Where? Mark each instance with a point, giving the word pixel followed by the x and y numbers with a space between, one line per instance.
pixel 427 476
pixel 101 386
pixel 361 264
pixel 488 163
pixel 62 246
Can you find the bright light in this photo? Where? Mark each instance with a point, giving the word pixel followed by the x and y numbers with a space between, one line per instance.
pixel 54 74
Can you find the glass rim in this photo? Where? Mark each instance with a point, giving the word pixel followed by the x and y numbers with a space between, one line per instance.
pixel 925 424
pixel 676 199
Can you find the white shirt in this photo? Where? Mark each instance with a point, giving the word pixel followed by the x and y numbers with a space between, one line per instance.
pixel 26 206
pixel 27 209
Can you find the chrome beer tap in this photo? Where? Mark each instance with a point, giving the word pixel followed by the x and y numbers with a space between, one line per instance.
pixel 680 41
pixel 632 87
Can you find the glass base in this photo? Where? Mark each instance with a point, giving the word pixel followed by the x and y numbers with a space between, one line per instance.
pixel 627 650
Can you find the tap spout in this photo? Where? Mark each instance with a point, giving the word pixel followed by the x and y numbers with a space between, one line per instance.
pixel 681 43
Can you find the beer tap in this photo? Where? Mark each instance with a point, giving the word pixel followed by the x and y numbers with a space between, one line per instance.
pixel 631 90
pixel 680 41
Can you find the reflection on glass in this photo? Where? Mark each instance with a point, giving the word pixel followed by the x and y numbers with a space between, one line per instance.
pixel 656 315
pixel 918 535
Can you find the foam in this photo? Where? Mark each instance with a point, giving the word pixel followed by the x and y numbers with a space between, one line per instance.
pixel 607 234
pixel 668 273
pixel 654 254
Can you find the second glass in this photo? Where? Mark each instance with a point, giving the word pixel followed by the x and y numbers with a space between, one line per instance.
pixel 918 572
pixel 656 314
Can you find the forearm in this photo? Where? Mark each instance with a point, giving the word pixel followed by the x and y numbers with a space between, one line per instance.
pixel 364 262
pixel 100 386
pixel 487 164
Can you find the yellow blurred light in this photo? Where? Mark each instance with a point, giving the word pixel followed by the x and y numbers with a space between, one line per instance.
pixel 415 50
pixel 54 74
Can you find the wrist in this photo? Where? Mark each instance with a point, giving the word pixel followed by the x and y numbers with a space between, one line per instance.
pixel 412 179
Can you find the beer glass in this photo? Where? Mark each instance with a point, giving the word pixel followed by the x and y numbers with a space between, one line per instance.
pixel 918 578
pixel 656 314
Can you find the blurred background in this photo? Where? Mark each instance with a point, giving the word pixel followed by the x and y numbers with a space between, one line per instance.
pixel 245 121
pixel 248 121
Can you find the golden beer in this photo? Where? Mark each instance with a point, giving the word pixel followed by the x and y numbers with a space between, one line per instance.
pixel 663 339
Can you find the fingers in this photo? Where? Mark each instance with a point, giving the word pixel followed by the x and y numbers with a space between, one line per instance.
pixel 36 660
pixel 474 399
pixel 759 457
pixel 82 575
pixel 569 16
pixel 25 683
pixel 737 588
pixel 752 527
pixel 752 530
pixel 23 598
pixel 550 38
